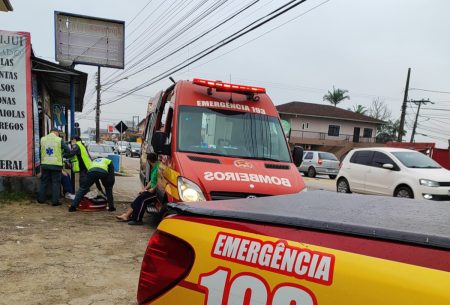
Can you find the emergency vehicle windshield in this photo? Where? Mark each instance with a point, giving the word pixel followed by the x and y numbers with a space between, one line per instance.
pixel 231 134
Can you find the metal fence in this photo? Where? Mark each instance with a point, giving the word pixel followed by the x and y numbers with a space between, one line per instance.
pixel 302 134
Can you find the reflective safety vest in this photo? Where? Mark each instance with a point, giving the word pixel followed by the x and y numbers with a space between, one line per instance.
pixel 51 153
pixel 84 156
pixel 101 163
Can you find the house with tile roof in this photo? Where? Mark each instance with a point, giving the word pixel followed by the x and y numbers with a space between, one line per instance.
pixel 328 128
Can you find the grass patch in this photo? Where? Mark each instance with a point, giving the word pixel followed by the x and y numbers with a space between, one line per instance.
pixel 8 197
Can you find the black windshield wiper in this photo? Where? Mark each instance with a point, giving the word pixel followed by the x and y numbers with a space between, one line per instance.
pixel 268 159
pixel 203 153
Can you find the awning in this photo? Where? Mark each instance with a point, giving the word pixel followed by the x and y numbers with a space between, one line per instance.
pixel 57 79
pixel 5 6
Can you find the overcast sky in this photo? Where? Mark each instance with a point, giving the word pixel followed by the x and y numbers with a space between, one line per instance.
pixel 364 47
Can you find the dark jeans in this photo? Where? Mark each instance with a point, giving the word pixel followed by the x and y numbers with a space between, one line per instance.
pixel 67 184
pixel 52 177
pixel 140 203
pixel 82 177
pixel 92 177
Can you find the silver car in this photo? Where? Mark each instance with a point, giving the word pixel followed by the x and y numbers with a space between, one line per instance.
pixel 319 163
pixel 100 151
pixel 122 146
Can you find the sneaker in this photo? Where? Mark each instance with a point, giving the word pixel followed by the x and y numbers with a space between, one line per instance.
pixel 135 223
pixel 111 209
pixel 72 209
pixel 70 196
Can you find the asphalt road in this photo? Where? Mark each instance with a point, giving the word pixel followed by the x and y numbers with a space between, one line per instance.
pixel 320 183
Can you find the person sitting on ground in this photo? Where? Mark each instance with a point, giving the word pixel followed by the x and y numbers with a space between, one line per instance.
pixel 101 169
pixel 66 183
pixel 135 213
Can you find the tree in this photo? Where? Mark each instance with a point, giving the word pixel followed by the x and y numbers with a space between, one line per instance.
pixel 359 109
pixel 379 110
pixel 336 96
pixel 388 132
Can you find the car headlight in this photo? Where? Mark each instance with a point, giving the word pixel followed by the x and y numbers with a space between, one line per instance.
pixel 427 182
pixel 189 191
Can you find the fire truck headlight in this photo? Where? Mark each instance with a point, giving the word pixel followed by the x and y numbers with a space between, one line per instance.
pixel 189 191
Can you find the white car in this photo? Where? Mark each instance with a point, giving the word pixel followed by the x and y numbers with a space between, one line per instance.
pixel 100 151
pixel 393 172
pixel 122 146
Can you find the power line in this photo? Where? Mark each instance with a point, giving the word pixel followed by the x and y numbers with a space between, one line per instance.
pixel 140 11
pixel 428 90
pixel 146 30
pixel 140 58
pixel 171 39
pixel 194 40
pixel 419 104
pixel 434 130
pixel 249 28
pixel 438 109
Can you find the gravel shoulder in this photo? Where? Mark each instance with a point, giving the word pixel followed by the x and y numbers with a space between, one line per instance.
pixel 49 256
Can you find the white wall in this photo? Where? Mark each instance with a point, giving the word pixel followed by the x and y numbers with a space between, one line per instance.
pixel 320 125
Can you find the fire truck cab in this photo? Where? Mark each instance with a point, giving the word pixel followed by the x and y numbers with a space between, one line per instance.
pixel 218 141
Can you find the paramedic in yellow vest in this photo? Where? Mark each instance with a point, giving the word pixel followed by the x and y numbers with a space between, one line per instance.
pixel 52 149
pixel 81 161
pixel 101 169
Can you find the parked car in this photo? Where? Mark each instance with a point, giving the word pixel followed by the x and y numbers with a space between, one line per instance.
pixel 393 172
pixel 111 144
pixel 133 149
pixel 319 163
pixel 99 150
pixel 121 146
pixel 309 248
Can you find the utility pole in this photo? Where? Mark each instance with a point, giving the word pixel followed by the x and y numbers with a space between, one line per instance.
pixel 97 113
pixel 419 103
pixel 135 127
pixel 402 117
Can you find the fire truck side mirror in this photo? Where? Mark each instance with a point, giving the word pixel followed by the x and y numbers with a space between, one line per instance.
pixel 159 140
pixel 297 155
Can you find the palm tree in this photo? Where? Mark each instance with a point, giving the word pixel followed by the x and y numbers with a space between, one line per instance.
pixel 359 109
pixel 336 96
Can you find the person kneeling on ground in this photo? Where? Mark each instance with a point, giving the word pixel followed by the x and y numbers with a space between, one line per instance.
pixel 135 213
pixel 101 169
pixel 66 183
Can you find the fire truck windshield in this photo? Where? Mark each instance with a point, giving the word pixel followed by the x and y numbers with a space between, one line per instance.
pixel 231 134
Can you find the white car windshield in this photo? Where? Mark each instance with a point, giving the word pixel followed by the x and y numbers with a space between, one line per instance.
pixel 231 133
pixel 413 159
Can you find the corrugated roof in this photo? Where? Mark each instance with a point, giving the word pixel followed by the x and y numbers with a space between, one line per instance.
pixel 324 111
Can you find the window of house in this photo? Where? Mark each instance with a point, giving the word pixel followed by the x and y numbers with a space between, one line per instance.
pixel 305 125
pixel 333 130
pixel 367 133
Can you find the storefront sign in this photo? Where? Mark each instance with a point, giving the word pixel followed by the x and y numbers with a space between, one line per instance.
pixel 16 125
pixel 89 40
